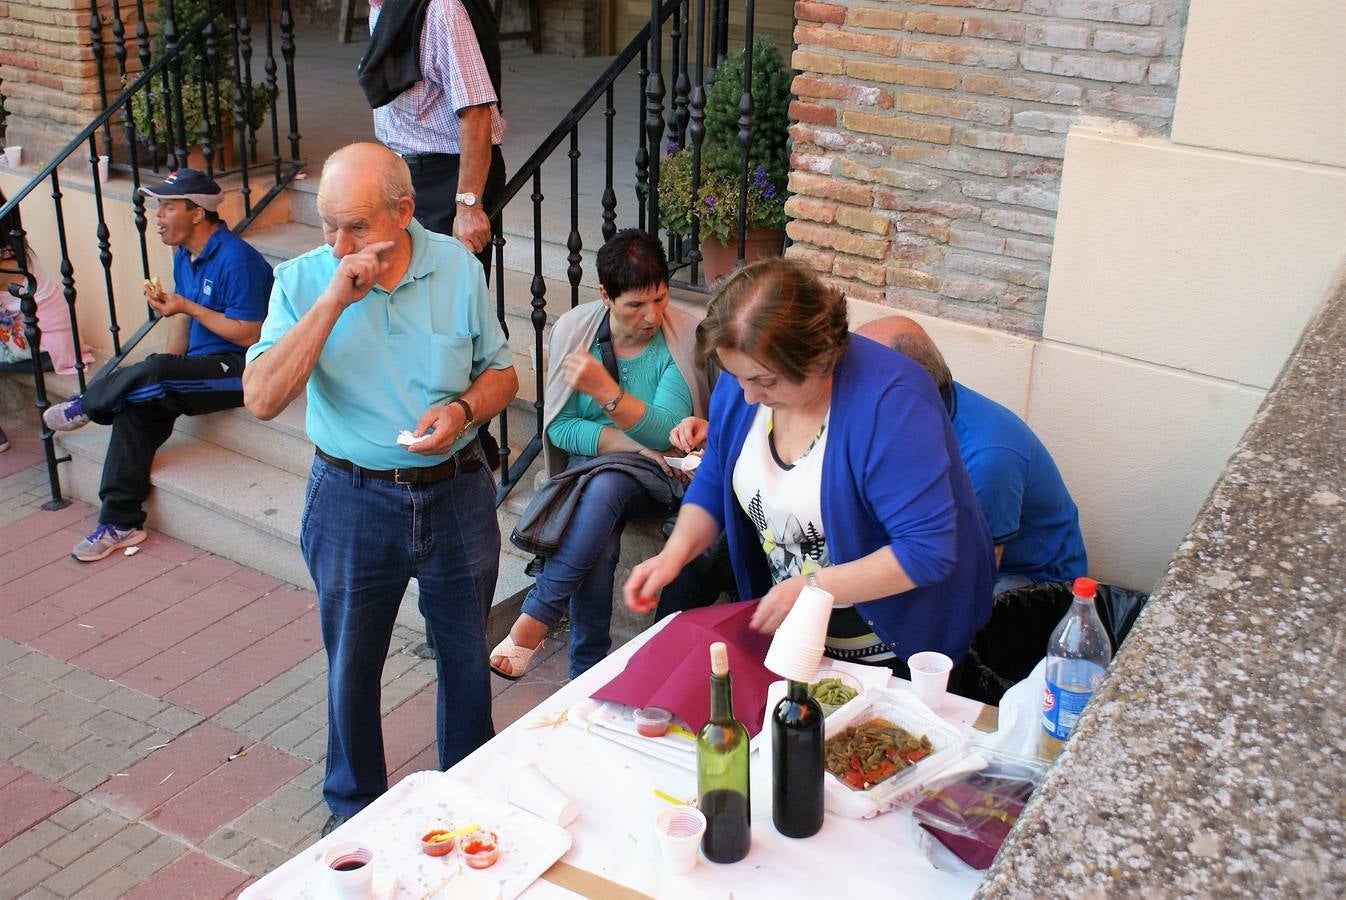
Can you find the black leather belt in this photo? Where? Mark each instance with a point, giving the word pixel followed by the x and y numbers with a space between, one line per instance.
pixel 454 465
pixel 422 159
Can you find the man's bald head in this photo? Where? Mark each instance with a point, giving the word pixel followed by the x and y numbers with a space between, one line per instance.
pixel 369 165
pixel 908 338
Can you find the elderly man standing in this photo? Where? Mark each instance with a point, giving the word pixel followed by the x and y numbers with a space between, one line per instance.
pixel 1035 525
pixel 432 75
pixel 390 329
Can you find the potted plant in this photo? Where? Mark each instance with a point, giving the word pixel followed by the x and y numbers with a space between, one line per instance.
pixel 189 12
pixel 716 200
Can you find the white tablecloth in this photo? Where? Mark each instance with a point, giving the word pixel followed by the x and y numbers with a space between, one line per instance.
pixel 614 834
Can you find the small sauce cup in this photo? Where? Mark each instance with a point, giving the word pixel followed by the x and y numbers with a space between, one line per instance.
pixel 437 842
pixel 480 849
pixel 652 722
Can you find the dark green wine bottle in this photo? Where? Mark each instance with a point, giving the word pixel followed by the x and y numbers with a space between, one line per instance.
pixel 722 769
pixel 797 763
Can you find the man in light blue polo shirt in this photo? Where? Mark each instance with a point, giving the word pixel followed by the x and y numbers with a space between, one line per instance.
pixel 390 329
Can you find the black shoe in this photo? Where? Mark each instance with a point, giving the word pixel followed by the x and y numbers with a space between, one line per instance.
pixel 333 822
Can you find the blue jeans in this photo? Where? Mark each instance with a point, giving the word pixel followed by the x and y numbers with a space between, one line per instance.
pixel 580 573
pixel 363 540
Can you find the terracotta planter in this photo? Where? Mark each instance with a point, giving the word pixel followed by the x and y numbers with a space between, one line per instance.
pixel 718 259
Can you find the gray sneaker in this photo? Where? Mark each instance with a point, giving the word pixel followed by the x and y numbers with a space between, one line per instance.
pixel 105 540
pixel 66 416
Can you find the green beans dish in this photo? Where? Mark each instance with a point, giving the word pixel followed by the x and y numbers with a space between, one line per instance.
pixel 832 692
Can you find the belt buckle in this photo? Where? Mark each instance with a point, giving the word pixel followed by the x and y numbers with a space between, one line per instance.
pixel 404 476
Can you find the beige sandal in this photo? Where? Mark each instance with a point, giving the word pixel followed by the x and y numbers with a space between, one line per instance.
pixel 519 658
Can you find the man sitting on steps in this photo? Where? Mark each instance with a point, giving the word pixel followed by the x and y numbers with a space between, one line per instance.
pixel 221 286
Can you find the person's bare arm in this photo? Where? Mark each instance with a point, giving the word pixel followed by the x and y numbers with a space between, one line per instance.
pixel 179 331
pixel 470 224
pixel 274 379
pixel 236 331
pixel 695 530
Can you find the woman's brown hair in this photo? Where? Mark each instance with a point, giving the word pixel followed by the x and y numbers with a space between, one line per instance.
pixel 780 313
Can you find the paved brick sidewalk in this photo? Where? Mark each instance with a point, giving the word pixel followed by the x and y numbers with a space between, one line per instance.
pixel 128 689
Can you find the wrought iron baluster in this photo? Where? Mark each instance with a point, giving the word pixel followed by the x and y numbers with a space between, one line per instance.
pixel 574 243
pixel 498 284
pixel 68 275
pixel 696 134
pixel 203 129
pixel 214 118
pixel 287 51
pixel 272 92
pixel 143 54
pixel 609 194
pixel 245 51
pixel 642 148
pixel 745 131
pixel 682 84
pixel 27 295
pixel 538 290
pixel 96 45
pixel 105 259
pixel 242 110
pixel 138 205
pixel 119 54
pixel 179 126
pixel 654 116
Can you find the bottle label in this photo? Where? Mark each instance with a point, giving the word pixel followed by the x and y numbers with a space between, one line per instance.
pixel 1061 707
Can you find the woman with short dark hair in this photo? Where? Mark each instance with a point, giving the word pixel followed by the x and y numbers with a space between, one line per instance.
pixel 831 461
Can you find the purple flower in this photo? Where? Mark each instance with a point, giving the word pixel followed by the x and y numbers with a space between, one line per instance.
pixel 769 192
pixel 759 177
pixel 710 202
pixel 671 148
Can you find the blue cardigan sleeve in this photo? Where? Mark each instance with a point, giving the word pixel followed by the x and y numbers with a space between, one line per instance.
pixel 906 483
pixel 707 489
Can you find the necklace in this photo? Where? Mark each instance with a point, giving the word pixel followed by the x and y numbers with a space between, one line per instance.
pixel 775 455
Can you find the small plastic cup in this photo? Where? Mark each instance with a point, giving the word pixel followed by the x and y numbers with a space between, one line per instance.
pixel 103 164
pixel 930 677
pixel 437 842
pixel 652 722
pixel 480 849
pixel 680 829
pixel 14 156
pixel 531 789
pixel 469 884
pixel 797 647
pixel 350 871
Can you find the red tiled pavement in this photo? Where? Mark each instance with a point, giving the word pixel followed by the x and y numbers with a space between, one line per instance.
pixel 212 691
pixel 278 652
pixel 25 450
pixel 27 799
pixel 29 553
pixel 114 656
pixel 190 877
pixel 409 729
pixel 190 788
pixel 274 611
pixel 110 578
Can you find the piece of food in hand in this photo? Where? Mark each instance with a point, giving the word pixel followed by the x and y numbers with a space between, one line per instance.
pixel 153 286
pixel 438 842
pixel 481 849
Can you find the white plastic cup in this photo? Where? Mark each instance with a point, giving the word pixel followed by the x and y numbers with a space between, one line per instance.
pixel 680 829
pixel 351 883
pixel 797 647
pixel 930 677
pixel 14 156
pixel 103 162
pixel 472 884
pixel 532 790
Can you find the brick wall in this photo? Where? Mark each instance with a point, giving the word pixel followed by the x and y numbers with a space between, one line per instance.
pixel 928 139
pixel 48 74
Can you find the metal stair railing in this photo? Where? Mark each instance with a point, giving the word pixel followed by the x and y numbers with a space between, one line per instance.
pixel 198 53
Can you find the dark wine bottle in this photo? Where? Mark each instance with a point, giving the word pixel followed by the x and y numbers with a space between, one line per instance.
pixel 722 769
pixel 797 763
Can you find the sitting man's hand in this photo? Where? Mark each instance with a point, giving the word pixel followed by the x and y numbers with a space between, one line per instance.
pixel 585 374
pixel 358 272
pixel 166 303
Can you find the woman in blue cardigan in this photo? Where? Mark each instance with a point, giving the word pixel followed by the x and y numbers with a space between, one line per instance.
pixel 830 460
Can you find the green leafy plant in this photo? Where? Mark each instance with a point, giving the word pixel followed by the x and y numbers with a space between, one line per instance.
pixel 151 100
pixel 716 200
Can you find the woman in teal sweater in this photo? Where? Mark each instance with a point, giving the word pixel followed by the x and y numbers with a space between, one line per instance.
pixel 592 414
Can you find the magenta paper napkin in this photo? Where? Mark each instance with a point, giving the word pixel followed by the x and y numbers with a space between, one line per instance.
pixel 672 670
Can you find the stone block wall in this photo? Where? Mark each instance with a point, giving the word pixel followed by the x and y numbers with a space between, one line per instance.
pixel 571 27
pixel 928 139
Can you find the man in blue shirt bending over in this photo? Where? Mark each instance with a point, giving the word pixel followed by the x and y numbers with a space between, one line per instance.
pixel 1034 523
pixel 220 291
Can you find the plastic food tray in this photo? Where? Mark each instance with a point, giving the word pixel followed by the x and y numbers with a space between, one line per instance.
pixel 905 711
pixel 614 722
pixel 392 826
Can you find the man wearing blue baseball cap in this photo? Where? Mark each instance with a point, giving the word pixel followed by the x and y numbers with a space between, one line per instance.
pixel 219 298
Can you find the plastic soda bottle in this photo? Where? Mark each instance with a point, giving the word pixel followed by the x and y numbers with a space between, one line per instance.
pixel 1077 654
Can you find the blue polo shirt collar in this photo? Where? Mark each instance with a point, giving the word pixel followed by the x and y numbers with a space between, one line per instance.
pixel 211 248
pixel 422 260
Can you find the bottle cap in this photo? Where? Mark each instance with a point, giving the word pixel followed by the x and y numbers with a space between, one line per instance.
pixel 1085 587
pixel 719 658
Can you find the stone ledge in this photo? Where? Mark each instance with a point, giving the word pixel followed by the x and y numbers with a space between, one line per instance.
pixel 1210 756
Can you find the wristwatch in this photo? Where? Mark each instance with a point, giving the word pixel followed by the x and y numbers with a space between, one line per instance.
pixel 467 415
pixel 612 404
pixel 467 198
